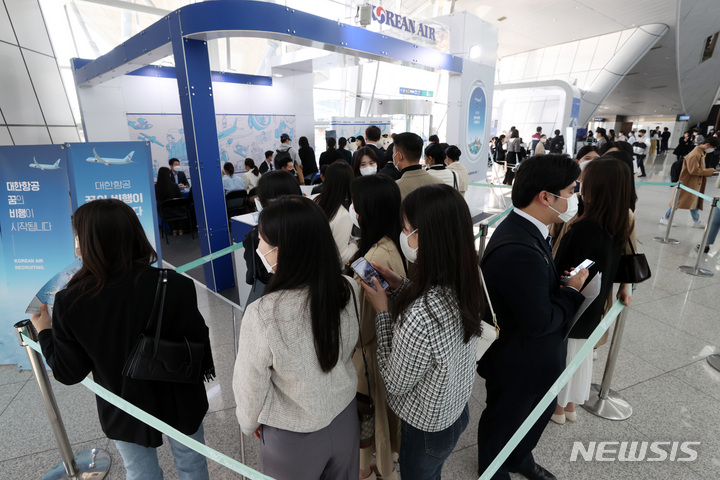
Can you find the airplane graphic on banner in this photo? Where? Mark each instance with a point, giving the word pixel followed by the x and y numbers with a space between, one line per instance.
pixel 111 161
pixel 45 166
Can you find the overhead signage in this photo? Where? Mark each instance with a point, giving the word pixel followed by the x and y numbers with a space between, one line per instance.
pixel 401 22
pixel 416 92
pixel 599 119
pixel 683 118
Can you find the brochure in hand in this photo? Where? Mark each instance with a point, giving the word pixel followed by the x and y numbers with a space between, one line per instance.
pixel 47 293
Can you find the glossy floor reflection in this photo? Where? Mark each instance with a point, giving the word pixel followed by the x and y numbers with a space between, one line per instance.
pixel 673 324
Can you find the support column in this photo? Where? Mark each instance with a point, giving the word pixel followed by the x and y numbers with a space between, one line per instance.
pixel 192 65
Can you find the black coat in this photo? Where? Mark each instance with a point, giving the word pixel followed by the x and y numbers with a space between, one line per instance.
pixel 307 157
pixel 97 334
pixel 380 153
pixel 182 179
pixel 328 157
pixel 532 310
pixel 586 239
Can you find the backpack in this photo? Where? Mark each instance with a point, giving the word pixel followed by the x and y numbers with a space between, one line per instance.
pixel 675 170
pixel 282 156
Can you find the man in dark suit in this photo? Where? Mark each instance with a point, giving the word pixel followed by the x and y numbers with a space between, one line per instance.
pixel 372 137
pixel 532 309
pixel 267 165
pixel 178 176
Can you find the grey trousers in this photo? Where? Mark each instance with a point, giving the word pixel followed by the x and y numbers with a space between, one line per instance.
pixel 332 453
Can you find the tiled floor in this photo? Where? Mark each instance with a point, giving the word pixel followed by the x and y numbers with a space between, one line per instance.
pixel 673 324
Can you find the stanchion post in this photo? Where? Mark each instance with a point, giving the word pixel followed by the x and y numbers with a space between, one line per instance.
pixel 235 346
pixel 714 361
pixel 88 464
pixel 696 270
pixel 604 402
pixel 666 238
pixel 483 238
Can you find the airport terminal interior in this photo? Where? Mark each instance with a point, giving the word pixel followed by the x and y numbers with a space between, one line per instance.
pixel 98 71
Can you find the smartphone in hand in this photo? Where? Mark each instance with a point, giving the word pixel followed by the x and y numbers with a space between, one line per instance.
pixel 367 272
pixel 587 263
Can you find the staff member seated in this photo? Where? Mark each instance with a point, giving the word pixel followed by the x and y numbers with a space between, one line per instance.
pixel 230 181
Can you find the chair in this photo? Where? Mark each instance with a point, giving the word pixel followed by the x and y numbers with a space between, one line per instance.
pixel 175 210
pixel 236 203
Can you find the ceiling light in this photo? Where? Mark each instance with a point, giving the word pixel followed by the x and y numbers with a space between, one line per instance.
pixel 475 51
pixel 278 75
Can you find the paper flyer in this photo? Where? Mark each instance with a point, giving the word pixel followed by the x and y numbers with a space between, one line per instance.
pixel 47 293
pixel 591 291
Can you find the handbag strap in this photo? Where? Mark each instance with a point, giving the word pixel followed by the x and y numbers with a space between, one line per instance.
pixel 159 303
pixel 632 249
pixel 492 310
pixel 362 345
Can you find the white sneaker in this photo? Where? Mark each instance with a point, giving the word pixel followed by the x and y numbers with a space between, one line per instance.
pixel 663 221
pixel 698 224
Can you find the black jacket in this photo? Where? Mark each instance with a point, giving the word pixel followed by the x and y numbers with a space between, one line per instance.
pixel 307 157
pixel 264 167
pixel 380 153
pixel 97 334
pixel 532 310
pixel 181 178
pixel 390 171
pixel 586 239
pixel 328 157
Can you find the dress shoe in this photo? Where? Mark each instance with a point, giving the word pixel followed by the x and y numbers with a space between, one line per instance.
pixel 537 473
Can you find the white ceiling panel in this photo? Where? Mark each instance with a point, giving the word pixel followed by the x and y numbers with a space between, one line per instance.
pixel 30 135
pixel 6 31
pixel 49 88
pixel 5 138
pixel 17 99
pixel 29 25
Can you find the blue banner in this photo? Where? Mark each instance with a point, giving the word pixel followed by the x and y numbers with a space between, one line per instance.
pixel 121 170
pixel 35 233
pixel 476 122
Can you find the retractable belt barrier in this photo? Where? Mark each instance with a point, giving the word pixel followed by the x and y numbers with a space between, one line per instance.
pixel 250 473
pixel 639 184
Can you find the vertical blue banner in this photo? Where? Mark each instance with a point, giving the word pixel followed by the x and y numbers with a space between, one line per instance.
pixel 121 170
pixel 35 233
pixel 476 122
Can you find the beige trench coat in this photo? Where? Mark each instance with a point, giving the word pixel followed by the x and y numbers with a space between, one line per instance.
pixel 693 175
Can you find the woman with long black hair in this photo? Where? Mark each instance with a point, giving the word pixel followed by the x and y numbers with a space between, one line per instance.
pixel 96 321
pixel 294 379
pixel 427 343
pixel 376 203
pixel 335 201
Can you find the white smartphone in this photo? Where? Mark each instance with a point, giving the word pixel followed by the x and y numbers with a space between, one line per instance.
pixel 367 272
pixel 587 263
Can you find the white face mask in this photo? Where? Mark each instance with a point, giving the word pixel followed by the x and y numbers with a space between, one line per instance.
pixel 409 252
pixel 266 264
pixel 710 150
pixel 353 216
pixel 175 168
pixel 393 162
pixel 258 205
pixel 572 207
pixel 368 170
pixel 584 164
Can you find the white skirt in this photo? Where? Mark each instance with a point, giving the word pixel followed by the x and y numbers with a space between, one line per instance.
pixel 577 389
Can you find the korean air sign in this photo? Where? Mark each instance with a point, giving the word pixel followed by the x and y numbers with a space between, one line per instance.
pixel 401 22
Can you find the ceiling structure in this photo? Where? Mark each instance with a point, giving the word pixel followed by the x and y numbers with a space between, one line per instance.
pixel 669 80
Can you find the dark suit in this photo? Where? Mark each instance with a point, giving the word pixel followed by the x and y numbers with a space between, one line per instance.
pixel 264 167
pixel 528 356
pixel 181 178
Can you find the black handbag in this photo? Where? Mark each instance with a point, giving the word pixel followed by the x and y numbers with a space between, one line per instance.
pixel 633 268
pixel 153 358
pixel 365 404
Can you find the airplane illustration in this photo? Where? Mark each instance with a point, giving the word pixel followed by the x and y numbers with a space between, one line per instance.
pixel 150 138
pixel 227 132
pixel 45 166
pixel 141 124
pixel 111 161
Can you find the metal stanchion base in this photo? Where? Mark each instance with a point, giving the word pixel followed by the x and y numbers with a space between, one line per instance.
pixel 670 241
pixel 614 407
pixel 91 467
pixel 699 272
pixel 714 361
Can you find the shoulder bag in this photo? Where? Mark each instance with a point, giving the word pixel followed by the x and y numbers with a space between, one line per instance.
pixel 153 358
pixel 489 333
pixel 365 404
pixel 633 267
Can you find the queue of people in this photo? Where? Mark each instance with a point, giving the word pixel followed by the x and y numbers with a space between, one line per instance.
pixel 321 334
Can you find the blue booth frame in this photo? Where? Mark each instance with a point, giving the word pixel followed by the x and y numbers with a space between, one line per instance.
pixel 184 34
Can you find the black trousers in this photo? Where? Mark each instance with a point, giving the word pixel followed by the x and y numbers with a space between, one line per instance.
pixel 641 163
pixel 508 405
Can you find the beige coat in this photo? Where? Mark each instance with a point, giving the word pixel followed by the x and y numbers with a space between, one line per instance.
pixel 539 149
pixel 693 175
pixel 387 424
pixel 413 180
